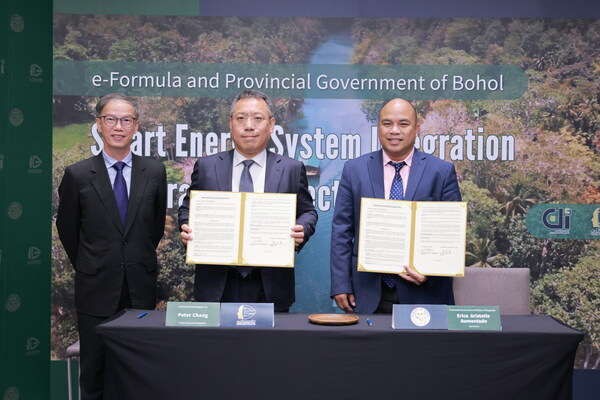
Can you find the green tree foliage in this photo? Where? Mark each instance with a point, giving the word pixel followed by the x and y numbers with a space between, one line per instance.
pixel 482 253
pixel 63 330
pixel 184 39
pixel 483 215
pixel 175 277
pixel 461 33
pixel 404 50
pixel 572 295
pixel 124 50
pixel 541 256
pixel 519 202
pixel 70 110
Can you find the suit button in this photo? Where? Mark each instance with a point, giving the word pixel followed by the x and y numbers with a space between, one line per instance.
pixel 122 265
pixel 125 243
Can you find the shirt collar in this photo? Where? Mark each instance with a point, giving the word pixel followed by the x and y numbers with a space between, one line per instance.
pixel 260 158
pixel 109 161
pixel 407 160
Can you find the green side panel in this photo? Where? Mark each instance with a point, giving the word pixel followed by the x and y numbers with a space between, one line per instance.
pixel 25 197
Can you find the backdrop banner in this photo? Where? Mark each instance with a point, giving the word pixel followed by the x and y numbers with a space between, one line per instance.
pixel 509 96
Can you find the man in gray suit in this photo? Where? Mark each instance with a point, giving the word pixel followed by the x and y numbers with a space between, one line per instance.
pixel 251 124
pixel 111 217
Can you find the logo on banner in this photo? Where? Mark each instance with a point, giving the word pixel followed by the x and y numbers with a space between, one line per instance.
pixel 17 23
pixel 558 220
pixel 35 71
pixel 33 256
pixel 420 316
pixel 246 315
pixel 12 393
pixel 32 346
pixel 15 210
pixel 596 222
pixel 13 303
pixel 35 163
pixel 15 117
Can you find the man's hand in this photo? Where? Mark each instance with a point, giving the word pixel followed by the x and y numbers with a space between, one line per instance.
pixel 413 276
pixel 186 234
pixel 345 301
pixel 298 235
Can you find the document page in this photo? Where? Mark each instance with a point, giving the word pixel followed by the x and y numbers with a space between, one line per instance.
pixel 215 221
pixel 427 235
pixel 440 238
pixel 268 219
pixel 384 237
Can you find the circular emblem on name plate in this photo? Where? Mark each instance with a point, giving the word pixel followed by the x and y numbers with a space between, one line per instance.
pixel 15 117
pixel 17 23
pixel 420 316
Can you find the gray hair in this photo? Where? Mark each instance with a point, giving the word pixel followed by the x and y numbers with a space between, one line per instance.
pixel 252 94
pixel 117 96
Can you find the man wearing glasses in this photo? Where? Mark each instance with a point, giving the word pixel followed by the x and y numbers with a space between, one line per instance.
pixel 110 219
pixel 251 123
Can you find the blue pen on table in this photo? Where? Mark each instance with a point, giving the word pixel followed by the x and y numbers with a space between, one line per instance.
pixel 142 315
pixel 369 322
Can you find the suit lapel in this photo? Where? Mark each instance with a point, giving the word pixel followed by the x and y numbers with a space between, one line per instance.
pixel 375 166
pixel 103 187
pixel 223 171
pixel 139 180
pixel 273 172
pixel 416 172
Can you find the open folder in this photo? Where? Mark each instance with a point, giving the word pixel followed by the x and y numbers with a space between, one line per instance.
pixel 427 235
pixel 235 228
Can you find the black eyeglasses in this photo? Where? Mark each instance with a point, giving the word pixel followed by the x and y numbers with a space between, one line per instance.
pixel 110 120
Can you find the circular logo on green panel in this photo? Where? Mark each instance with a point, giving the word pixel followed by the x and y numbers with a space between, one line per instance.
pixel 13 302
pixel 15 117
pixel 12 393
pixel 15 210
pixel 17 23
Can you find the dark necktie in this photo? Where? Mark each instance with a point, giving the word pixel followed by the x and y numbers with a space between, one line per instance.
pixel 397 189
pixel 396 193
pixel 120 189
pixel 246 185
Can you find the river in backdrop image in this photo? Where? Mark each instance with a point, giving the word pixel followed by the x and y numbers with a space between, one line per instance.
pixel 331 116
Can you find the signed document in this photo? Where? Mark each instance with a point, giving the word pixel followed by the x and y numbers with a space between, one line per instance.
pixel 234 228
pixel 427 235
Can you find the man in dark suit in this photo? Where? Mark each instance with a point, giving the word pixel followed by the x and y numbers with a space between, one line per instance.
pixel 251 124
pixel 111 235
pixel 422 177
